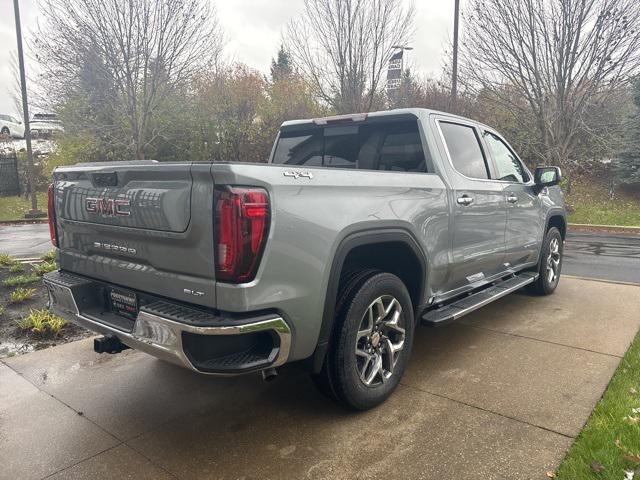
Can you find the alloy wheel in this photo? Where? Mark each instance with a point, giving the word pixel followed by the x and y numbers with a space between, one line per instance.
pixel 553 260
pixel 380 340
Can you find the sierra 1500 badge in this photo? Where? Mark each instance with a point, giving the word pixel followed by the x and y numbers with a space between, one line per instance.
pixel 108 207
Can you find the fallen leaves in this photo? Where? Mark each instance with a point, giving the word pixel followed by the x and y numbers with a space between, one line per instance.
pixel 628 454
pixel 634 458
pixel 596 467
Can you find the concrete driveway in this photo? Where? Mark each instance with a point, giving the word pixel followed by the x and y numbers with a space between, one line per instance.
pixel 501 394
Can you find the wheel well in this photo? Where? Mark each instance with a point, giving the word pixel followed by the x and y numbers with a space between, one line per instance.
pixel 558 222
pixel 393 257
pixel 390 250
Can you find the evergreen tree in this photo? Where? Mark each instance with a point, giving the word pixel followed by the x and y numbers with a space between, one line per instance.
pixel 281 67
pixel 628 162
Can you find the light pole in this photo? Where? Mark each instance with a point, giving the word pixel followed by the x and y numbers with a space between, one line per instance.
pixel 454 67
pixel 34 212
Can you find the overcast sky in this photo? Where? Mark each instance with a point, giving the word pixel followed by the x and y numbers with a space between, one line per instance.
pixel 254 30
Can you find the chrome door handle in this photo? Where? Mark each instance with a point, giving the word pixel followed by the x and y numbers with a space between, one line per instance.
pixel 511 198
pixel 465 200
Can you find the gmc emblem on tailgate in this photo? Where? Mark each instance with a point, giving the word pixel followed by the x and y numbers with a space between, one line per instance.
pixel 108 207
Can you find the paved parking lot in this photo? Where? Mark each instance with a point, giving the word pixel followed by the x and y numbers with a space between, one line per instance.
pixel 500 394
pixel 25 241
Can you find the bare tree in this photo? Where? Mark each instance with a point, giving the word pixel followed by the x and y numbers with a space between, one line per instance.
pixel 560 56
pixel 343 47
pixel 125 57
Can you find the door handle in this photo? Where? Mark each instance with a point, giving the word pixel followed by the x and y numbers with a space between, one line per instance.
pixel 511 198
pixel 465 200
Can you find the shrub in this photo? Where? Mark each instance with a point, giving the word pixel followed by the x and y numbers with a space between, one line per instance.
pixel 17 268
pixel 42 321
pixel 20 280
pixel 20 295
pixel 44 267
pixel 50 256
pixel 7 260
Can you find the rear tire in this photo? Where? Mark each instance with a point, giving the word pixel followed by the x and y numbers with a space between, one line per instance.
pixel 5 131
pixel 550 264
pixel 371 342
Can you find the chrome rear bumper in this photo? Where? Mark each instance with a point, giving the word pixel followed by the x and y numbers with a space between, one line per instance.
pixel 185 336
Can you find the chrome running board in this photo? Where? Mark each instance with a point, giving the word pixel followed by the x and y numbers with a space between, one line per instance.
pixel 452 311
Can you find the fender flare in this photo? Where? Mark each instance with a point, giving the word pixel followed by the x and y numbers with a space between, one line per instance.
pixel 555 212
pixel 351 241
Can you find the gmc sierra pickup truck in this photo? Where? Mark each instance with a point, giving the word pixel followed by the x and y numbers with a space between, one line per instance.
pixel 358 229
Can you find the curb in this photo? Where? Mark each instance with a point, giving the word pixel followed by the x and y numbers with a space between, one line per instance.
pixel 601 280
pixel 604 228
pixel 29 221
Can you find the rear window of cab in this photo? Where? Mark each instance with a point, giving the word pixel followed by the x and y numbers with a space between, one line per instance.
pixel 390 146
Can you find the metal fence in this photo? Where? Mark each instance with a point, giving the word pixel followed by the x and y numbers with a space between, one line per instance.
pixel 9 178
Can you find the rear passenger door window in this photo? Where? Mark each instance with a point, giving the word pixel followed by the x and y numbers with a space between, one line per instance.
pixel 464 150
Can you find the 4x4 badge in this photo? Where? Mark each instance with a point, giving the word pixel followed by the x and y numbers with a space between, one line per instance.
pixel 297 174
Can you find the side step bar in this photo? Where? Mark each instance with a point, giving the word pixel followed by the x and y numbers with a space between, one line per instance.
pixel 457 309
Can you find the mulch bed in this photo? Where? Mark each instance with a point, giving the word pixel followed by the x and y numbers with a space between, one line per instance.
pixel 14 340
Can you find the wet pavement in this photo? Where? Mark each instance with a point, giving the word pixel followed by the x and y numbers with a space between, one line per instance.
pixel 25 241
pixel 603 256
pixel 500 394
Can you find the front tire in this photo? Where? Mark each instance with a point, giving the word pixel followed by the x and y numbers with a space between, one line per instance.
pixel 371 343
pixel 5 131
pixel 550 264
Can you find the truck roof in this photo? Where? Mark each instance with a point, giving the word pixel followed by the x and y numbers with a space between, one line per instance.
pixel 417 112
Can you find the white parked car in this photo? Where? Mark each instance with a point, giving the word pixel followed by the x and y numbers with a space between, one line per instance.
pixel 10 125
pixel 45 124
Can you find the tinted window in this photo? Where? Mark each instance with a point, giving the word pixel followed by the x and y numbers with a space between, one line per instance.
pixel 402 151
pixel 464 149
pixel 301 148
pixel 394 146
pixel 507 164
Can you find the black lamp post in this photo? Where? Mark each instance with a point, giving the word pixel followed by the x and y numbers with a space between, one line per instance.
pixel 34 212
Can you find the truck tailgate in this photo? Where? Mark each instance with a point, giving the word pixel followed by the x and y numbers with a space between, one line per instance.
pixel 133 225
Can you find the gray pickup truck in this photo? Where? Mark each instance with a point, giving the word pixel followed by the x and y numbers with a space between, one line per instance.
pixel 359 228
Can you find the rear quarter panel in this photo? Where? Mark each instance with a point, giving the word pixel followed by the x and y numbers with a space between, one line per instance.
pixel 310 218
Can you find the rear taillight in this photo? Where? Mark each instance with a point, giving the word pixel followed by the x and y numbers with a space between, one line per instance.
pixel 52 216
pixel 240 231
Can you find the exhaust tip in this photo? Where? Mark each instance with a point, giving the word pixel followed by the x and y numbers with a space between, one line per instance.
pixel 269 374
